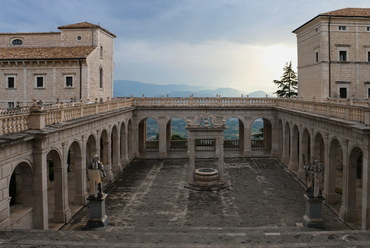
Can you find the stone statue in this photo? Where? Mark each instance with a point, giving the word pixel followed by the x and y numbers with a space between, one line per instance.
pixel 314 179
pixel 95 173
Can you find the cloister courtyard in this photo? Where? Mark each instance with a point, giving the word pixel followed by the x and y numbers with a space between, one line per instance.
pixel 151 194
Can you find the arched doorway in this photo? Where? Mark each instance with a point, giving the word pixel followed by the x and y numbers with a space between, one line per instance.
pixel 59 212
pixel 21 197
pixel 319 148
pixel 261 137
pixel 76 178
pixel 233 137
pixel 148 136
pixel 177 135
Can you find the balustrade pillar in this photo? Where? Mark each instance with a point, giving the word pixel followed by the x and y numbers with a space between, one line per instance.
pixel 347 211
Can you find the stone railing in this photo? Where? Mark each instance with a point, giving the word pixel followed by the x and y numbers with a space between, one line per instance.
pixel 38 116
pixel 351 112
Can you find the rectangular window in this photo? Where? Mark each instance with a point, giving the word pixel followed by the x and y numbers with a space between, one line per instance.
pixel 368 29
pixel 10 82
pixel 69 81
pixel 101 52
pixel 368 56
pixel 368 92
pixel 101 77
pixel 40 82
pixel 10 104
pixel 342 28
pixel 317 56
pixel 342 56
pixel 343 92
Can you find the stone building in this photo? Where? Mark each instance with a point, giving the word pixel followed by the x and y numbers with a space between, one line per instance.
pixel 71 65
pixel 334 55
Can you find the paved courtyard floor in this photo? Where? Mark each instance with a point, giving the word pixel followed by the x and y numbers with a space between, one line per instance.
pixel 151 193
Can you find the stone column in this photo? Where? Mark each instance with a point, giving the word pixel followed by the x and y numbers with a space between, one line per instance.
pixel 162 137
pixel 285 154
pixel 330 175
pixel 365 215
pixel 116 163
pixel 247 150
pixel 274 140
pixel 124 148
pixel 301 171
pixel 347 211
pixel 191 154
pixel 80 180
pixel 62 213
pixel 294 152
pixel 107 159
pixel 40 211
pixel 220 157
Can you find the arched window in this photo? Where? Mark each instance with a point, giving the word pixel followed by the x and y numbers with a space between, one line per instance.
pixel 101 77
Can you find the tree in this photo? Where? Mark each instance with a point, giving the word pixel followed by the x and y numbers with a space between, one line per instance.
pixel 288 85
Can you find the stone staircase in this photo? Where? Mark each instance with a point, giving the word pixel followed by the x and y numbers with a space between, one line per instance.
pixel 181 236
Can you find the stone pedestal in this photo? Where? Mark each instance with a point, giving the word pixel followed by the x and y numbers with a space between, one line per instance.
pixel 97 215
pixel 313 217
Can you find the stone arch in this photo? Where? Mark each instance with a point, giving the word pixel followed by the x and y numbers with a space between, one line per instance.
pixel 261 136
pixel 76 171
pixel 59 211
pixel 148 135
pixel 234 135
pixel 21 191
pixel 319 148
pixel 177 134
pixel 91 148
pixel 334 173
pixel 354 184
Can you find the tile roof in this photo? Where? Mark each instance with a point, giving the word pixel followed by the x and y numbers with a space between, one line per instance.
pixel 350 12
pixel 85 25
pixel 347 12
pixel 34 53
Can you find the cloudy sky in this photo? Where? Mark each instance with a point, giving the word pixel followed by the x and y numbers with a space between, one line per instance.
pixel 242 44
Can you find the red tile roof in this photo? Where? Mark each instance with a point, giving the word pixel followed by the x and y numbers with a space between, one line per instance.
pixel 347 12
pixel 34 53
pixel 85 25
pixel 350 12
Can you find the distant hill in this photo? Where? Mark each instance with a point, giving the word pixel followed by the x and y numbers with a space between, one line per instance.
pixel 137 89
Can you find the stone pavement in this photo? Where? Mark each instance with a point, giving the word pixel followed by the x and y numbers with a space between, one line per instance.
pixel 148 206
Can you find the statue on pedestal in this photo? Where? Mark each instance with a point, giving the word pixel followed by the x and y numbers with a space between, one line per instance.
pixel 314 179
pixel 95 172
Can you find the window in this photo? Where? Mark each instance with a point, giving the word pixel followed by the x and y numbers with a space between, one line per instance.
pixel 101 77
pixel 368 29
pixel 101 52
pixel 79 38
pixel 17 42
pixel 10 82
pixel 69 81
pixel 343 92
pixel 10 104
pixel 342 28
pixel 40 82
pixel 317 56
pixel 368 56
pixel 342 56
pixel 368 92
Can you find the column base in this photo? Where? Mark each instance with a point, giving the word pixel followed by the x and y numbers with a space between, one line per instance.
pixel 62 216
pixel 313 217
pixel 97 216
pixel 117 168
pixel 346 215
pixel 247 153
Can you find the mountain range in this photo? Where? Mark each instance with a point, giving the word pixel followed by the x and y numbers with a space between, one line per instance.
pixel 129 88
